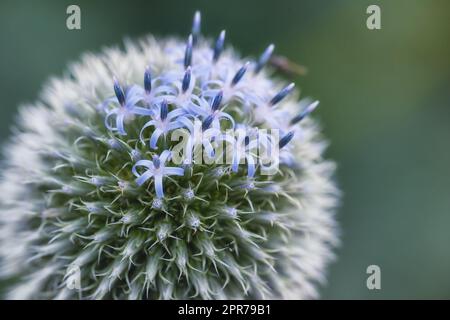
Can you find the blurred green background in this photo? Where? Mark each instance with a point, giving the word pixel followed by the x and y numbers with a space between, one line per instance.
pixel 385 106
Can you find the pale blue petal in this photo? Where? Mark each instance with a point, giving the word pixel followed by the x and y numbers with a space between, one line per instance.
pixel 134 95
pixel 142 163
pixel 165 89
pixel 175 113
pixel 168 98
pixel 173 171
pixel 134 90
pixel 155 137
pixel 107 120
pixel 165 155
pixel 148 124
pixel 104 105
pixel 208 148
pixel 203 112
pixel 224 137
pixel 119 123
pixel 227 116
pixel 250 166
pixel 159 186
pixel 186 123
pixel 144 177
pixel 142 111
pixel 174 125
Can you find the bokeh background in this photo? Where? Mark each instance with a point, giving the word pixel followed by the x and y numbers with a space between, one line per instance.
pixel 385 106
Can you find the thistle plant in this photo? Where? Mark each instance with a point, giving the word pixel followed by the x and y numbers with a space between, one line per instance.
pixel 93 181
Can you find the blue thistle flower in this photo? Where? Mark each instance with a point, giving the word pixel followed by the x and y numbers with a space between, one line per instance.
pixel 157 170
pixel 162 188
pixel 127 106
pixel 163 122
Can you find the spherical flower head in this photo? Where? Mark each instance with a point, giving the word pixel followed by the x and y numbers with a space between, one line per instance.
pixel 145 175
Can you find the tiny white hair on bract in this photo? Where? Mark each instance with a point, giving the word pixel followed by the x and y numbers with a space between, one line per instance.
pixel 89 183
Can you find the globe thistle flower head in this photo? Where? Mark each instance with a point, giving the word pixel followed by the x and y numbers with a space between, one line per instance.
pixel 170 169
